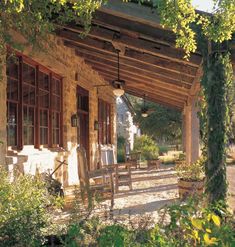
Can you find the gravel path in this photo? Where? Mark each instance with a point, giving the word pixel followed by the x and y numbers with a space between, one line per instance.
pixel 152 190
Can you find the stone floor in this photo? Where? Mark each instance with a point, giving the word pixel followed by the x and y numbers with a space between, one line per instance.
pixel 152 190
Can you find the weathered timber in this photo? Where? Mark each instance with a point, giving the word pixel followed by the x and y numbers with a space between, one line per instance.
pixel 107 47
pixel 146 69
pixel 139 44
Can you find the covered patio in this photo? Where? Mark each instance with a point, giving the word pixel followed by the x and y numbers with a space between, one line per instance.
pixel 149 62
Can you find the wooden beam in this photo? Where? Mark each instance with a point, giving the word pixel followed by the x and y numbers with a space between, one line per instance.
pixel 123 25
pixel 142 45
pixel 150 59
pixel 135 72
pixel 145 69
pixel 196 83
pixel 147 88
pixel 107 47
pixel 153 99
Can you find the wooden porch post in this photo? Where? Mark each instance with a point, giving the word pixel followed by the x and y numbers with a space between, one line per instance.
pixel 192 139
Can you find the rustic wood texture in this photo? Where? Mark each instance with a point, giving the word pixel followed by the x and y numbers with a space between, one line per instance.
pixel 149 61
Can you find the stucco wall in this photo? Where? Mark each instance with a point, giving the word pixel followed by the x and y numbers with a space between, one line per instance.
pixel 63 61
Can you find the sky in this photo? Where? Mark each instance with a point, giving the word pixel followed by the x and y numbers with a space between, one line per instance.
pixel 204 5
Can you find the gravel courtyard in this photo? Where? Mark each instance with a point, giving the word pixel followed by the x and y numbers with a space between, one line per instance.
pixel 152 190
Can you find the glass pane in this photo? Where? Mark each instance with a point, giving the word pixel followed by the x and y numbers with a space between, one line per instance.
pixel 12 113
pixel 13 67
pixel 12 135
pixel 44 118
pixel 28 135
pixel 28 116
pixel 56 103
pixel 43 136
pixel 56 86
pixel 12 89
pixel 28 94
pixel 28 74
pixel 55 136
pixel 43 81
pixel 55 120
pixel 44 98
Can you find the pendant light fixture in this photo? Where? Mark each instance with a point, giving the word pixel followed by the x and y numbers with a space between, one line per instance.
pixel 118 84
pixel 144 110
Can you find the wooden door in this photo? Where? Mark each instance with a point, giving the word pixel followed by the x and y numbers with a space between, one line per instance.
pixel 83 116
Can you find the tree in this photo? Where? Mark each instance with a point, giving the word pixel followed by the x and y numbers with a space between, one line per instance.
pixel 163 124
pixel 34 19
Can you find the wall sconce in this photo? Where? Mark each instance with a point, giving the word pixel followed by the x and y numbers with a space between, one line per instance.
pixel 96 125
pixel 74 120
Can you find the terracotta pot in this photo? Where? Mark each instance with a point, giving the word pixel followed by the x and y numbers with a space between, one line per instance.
pixel 189 188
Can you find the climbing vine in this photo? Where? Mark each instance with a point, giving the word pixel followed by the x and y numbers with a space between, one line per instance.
pixel 217 81
pixel 197 31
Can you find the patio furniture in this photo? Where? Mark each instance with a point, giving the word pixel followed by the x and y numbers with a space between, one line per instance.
pixel 122 171
pixel 134 159
pixel 154 163
pixel 93 183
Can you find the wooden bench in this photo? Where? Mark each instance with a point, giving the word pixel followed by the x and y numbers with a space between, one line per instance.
pixel 97 182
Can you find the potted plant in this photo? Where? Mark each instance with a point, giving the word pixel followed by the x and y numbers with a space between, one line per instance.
pixel 191 178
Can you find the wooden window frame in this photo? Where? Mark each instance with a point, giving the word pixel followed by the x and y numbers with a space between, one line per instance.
pixel 37 108
pixel 105 123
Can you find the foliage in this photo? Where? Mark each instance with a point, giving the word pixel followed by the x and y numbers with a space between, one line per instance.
pixel 23 211
pixel 181 17
pixel 193 224
pixel 121 149
pixel 115 235
pixel 83 233
pixel 162 123
pixel 147 146
pixel 189 224
pixel 192 172
pixel 163 149
pixel 34 19
pixel 217 81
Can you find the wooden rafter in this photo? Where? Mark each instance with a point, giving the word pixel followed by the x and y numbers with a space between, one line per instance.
pixel 146 69
pixel 140 86
pixel 124 70
pixel 108 48
pixel 137 43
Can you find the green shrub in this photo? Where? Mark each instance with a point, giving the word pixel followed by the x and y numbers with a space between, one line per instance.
pixel 116 236
pixel 180 225
pixel 23 215
pixel 163 149
pixel 121 149
pixel 147 146
pixel 83 233
pixel 193 224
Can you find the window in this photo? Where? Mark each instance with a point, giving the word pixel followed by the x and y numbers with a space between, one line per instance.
pixel 34 104
pixel 104 112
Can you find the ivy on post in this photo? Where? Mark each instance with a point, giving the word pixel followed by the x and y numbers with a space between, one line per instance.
pixel 217 80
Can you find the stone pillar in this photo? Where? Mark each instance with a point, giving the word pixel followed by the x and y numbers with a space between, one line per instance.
pixel 192 131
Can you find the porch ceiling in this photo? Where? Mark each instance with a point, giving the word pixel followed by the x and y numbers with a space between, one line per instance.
pixel 149 62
